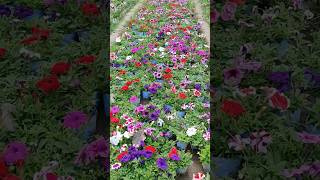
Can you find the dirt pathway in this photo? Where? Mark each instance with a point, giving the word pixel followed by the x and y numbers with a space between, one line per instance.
pixel 123 23
pixel 205 28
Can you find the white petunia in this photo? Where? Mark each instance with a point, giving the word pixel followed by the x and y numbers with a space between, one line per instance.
pixel 191 131
pixel 116 138
pixel 161 49
pixel 118 39
pixel 127 134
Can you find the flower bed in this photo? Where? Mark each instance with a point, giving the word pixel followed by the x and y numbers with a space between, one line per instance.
pixel 118 9
pixel 159 101
pixel 51 67
pixel 266 78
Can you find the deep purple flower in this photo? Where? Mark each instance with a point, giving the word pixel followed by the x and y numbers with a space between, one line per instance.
pixel 75 120
pixel 125 158
pixel 214 16
pixel 22 12
pixel 147 154
pixel 312 77
pixel 232 76
pixel 282 79
pixel 228 12
pixel 197 87
pixel 153 90
pixel 162 164
pixel 175 157
pixel 4 10
pixel 153 116
pixel 145 113
pixel 14 152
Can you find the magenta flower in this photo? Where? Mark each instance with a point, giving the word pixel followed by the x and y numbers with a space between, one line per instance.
pixel 308 138
pixel 133 99
pixel 232 76
pixel 115 109
pixel 228 12
pixel 74 120
pixel 14 152
pixel 214 16
pixel 90 152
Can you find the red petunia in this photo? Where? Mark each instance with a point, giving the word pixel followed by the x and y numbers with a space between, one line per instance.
pixel 182 96
pixel 48 84
pixel 150 148
pixel 37 34
pixel 41 33
pixel 279 100
pixel 11 177
pixel 173 154
pixel 60 68
pixel 51 176
pixel 232 108
pixel 128 83
pixel 2 52
pixel 3 169
pixel 86 59
pixel 168 70
pixel 90 9
pixel 115 120
pixel 122 72
pixel 119 157
pixel 167 76
pixel 125 88
pixel 138 64
pixel 238 2
pixel 183 61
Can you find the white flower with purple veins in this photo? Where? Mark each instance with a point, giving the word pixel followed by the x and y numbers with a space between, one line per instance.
pixel 161 49
pixel 160 122
pixel 191 131
pixel 149 131
pixel 115 166
pixel 237 143
pixel 191 106
pixel 206 136
pixel 184 106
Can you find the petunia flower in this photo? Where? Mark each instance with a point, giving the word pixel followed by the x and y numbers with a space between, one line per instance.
pixel 260 140
pixel 214 16
pixel 48 84
pixel 228 11
pixel 86 59
pixel 90 9
pixel 279 100
pixel 162 164
pixel 191 131
pixel 60 68
pixel 15 152
pixel 75 119
pixel 4 10
pixel 198 176
pixel 232 76
pixel 232 108
pixel 308 138
pixel 2 52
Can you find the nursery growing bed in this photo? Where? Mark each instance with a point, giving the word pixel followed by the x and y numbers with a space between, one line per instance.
pixel 51 69
pixel 153 71
pixel 118 10
pixel 266 98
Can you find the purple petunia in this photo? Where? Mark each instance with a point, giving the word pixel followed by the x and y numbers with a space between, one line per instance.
pixel 75 120
pixel 4 10
pixel 232 76
pixel 22 12
pixel 162 164
pixel 14 152
pixel 228 12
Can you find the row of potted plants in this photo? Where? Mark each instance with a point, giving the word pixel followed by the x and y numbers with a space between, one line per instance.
pixel 159 101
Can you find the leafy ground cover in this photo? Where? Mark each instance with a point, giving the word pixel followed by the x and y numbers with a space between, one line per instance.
pixel 159 100
pixel 266 90
pixel 52 65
